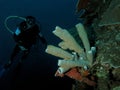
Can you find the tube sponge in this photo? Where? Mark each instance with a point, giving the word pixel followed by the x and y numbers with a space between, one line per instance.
pixel 56 51
pixel 83 35
pixel 80 57
pixel 68 41
pixel 72 63
pixel 68 64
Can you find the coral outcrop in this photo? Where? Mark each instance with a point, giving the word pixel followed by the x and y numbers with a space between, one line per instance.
pixel 71 54
pixel 103 16
pixel 95 65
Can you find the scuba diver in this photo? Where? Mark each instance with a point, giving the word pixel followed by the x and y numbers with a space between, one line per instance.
pixel 25 36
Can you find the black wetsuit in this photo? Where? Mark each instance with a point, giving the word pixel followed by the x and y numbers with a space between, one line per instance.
pixel 27 37
pixel 24 40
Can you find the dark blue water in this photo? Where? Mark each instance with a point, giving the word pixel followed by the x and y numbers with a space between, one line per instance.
pixel 37 71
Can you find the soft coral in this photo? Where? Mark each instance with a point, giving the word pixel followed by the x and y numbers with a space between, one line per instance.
pixel 79 75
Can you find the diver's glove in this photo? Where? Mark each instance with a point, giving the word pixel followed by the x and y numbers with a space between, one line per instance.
pixel 43 40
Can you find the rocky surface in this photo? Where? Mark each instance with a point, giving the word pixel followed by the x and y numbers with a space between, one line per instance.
pixel 103 17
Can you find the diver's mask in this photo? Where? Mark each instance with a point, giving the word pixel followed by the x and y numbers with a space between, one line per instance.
pixel 30 21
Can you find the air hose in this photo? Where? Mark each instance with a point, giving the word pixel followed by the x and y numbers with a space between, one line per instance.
pixel 9 17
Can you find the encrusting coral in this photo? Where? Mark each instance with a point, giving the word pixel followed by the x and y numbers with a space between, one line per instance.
pixel 78 57
pixel 103 17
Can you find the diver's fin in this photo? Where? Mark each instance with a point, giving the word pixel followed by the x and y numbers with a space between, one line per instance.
pixel 2 71
pixel 8 65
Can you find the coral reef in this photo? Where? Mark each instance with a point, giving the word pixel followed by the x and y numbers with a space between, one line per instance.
pixel 91 59
pixel 110 17
pixel 106 23
pixel 81 58
pixel 75 62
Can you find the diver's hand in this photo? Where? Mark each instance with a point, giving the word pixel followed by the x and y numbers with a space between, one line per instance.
pixel 43 40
